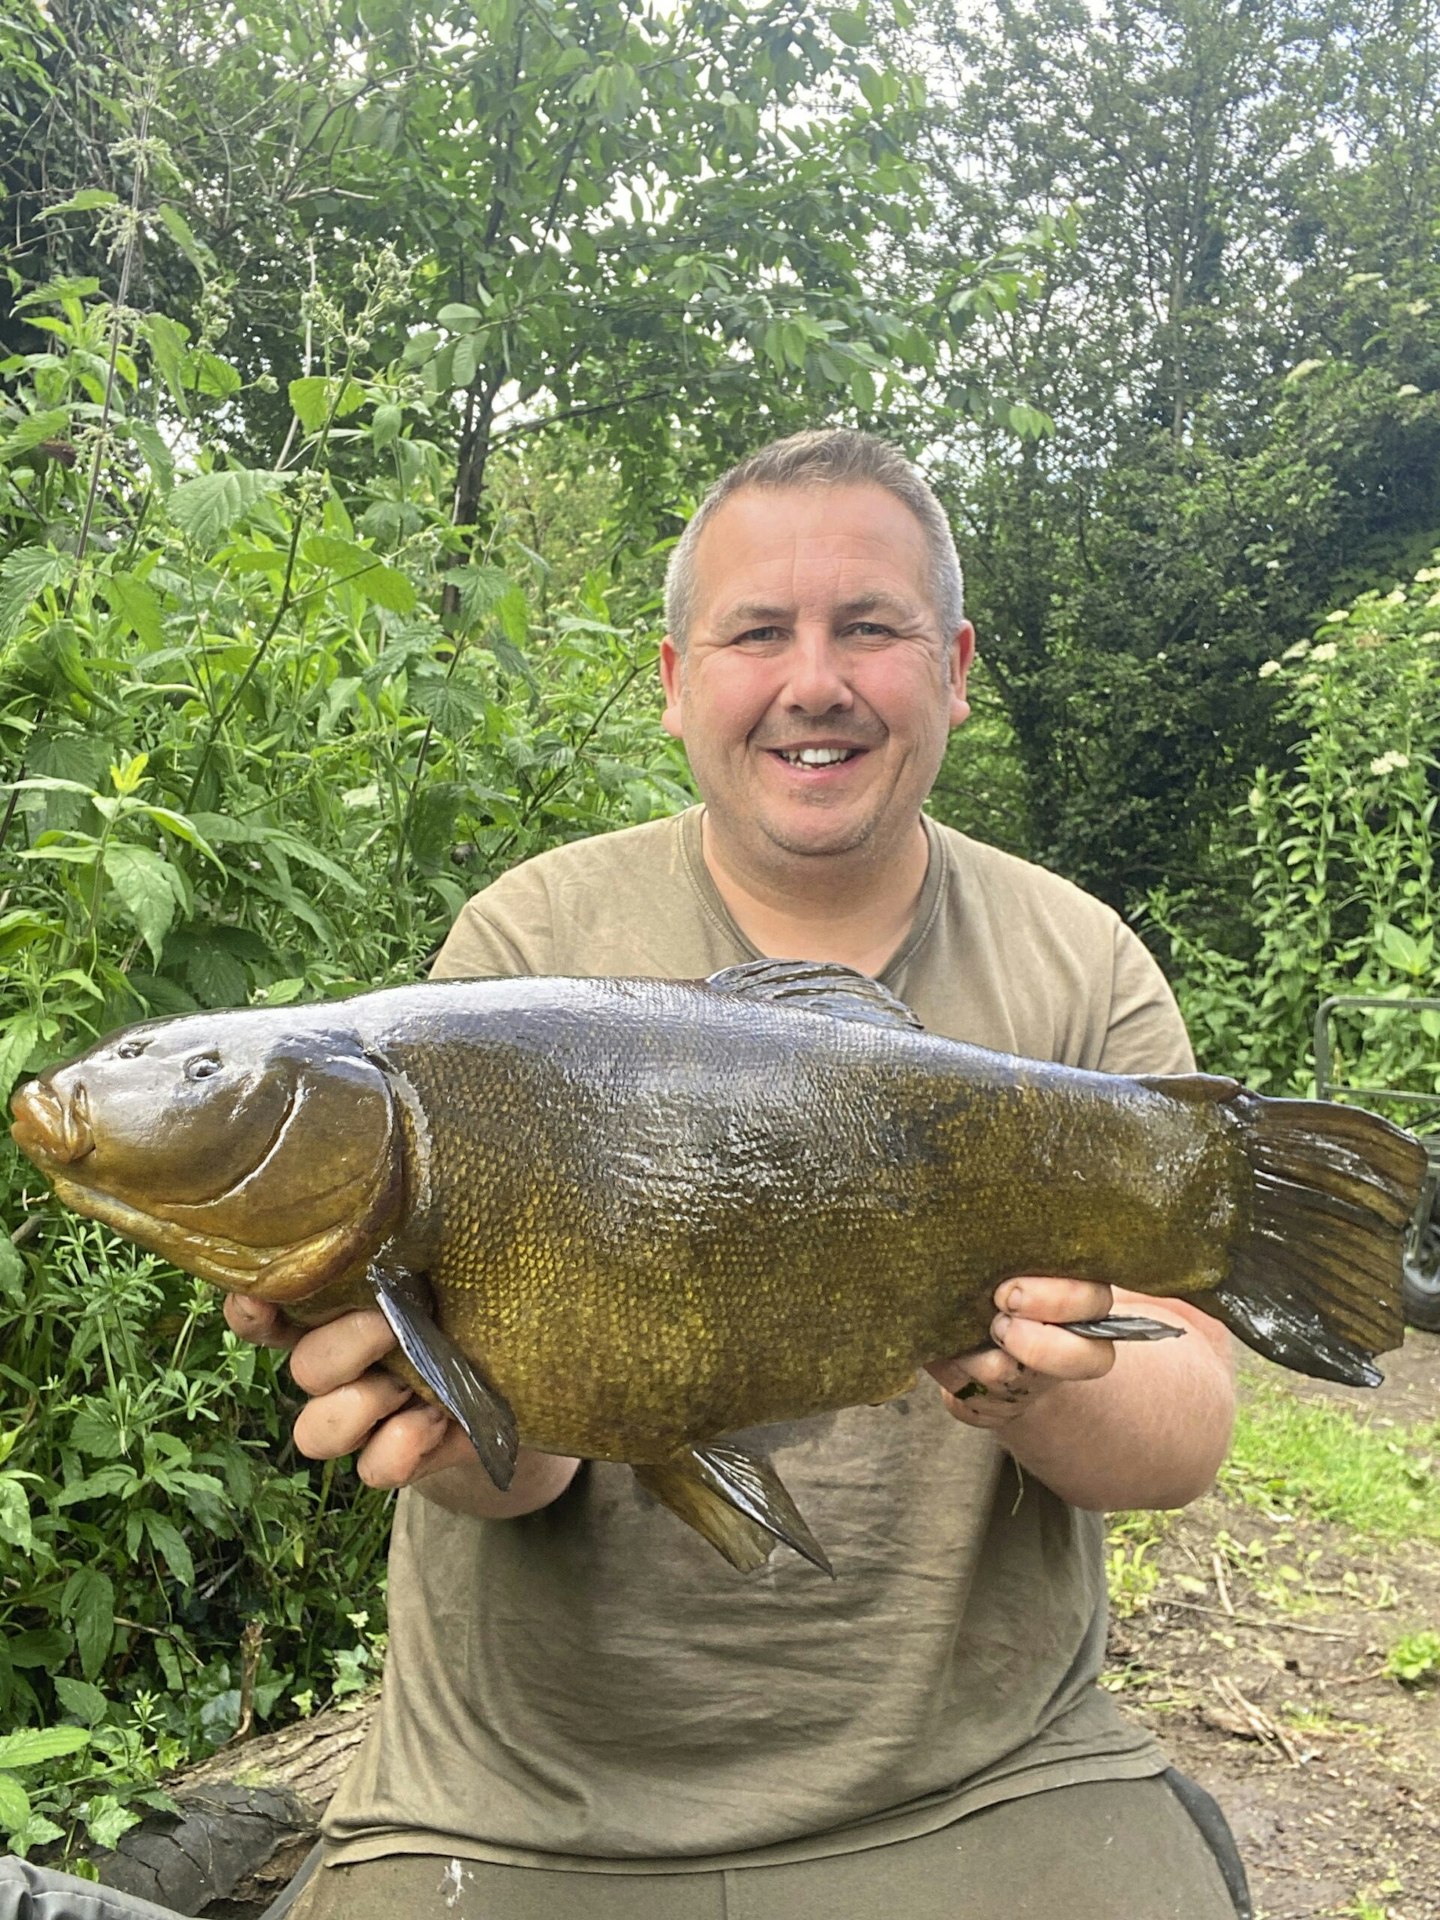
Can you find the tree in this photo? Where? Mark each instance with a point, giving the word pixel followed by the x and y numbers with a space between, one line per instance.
pixel 1204 490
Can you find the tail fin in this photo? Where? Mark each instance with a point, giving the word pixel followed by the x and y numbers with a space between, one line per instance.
pixel 1316 1284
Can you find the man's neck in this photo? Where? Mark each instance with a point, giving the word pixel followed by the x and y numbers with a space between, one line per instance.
pixel 857 912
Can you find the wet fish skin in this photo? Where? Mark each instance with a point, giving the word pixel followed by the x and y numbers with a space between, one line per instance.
pixel 652 1213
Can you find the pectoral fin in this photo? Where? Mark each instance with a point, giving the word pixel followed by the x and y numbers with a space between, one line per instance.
pixel 737 1502
pixel 455 1381
pixel 1123 1326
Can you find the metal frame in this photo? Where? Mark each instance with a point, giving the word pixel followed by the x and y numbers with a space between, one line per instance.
pixel 1327 1088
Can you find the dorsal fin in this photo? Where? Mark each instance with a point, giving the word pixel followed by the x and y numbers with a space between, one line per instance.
pixel 815 986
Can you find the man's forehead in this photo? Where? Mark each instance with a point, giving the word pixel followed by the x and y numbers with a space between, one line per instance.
pixel 875 544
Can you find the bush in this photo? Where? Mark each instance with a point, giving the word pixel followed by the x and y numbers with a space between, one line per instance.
pixel 1339 848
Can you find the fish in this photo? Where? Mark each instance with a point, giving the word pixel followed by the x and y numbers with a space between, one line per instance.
pixel 629 1219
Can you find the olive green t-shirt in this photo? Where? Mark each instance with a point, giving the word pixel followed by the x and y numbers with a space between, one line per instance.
pixel 592 1686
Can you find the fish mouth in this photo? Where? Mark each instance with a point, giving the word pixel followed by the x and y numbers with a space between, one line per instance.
pixel 49 1130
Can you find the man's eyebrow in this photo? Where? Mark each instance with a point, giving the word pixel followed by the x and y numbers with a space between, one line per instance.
pixel 881 603
pixel 753 613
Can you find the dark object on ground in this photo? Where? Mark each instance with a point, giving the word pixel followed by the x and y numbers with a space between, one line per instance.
pixel 1420 1275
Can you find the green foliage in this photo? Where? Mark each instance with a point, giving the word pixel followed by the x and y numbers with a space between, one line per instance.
pixel 1237 339
pixel 1307 1456
pixel 1337 847
pixel 1414 1659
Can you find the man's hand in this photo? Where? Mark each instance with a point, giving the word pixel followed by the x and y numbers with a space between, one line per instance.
pixel 1102 1425
pixel 1032 1354
pixel 357 1406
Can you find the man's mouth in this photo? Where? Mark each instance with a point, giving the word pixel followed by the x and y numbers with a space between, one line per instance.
pixel 815 756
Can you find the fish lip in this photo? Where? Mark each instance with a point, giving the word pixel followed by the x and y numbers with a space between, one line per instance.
pixel 49 1129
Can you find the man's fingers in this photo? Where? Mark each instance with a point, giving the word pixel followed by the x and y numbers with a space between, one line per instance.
pixel 342 1421
pixel 986 1366
pixel 341 1351
pixel 1050 1350
pixel 258 1322
pixel 1038 1298
pixel 413 1445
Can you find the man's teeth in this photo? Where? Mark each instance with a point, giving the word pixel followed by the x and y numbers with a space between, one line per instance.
pixel 817 756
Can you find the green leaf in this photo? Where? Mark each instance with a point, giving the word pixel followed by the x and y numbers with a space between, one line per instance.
pixel 138 606
pixel 358 567
pixel 24 576
pixel 207 508
pixel 150 889
pixel 85 201
pixel 385 424
pixel 18 1040
pixel 217 978
pixel 168 344
pixel 87 1703
pixel 453 706
pixel 12 1267
pixel 315 397
pixel 91 1432
pixel 15 1525
pixel 33 1746
pixel 106 1819
pixel 178 228
pixel 41 1647
pixel 465 361
pixel 14 1804
pixel 88 1602
pixel 51 425
pixel 862 389
pixel 850 25
pixel 215 376
pixel 172 1548
pixel 478 589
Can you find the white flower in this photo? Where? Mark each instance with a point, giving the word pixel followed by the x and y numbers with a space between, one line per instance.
pixel 1390 762
pixel 1269 668
pixel 1297 652
pixel 1340 613
pixel 1327 651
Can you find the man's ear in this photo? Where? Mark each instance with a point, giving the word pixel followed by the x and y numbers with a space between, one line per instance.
pixel 961 658
pixel 672 676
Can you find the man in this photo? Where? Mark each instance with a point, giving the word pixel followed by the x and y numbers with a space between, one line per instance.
pixel 584 1709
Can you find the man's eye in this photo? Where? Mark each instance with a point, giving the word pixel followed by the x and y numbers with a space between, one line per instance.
pixel 757 633
pixel 869 629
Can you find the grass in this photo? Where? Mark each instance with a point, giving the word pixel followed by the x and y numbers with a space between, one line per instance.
pixel 1303 1456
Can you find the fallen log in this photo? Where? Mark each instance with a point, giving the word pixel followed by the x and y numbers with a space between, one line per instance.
pixel 249 1815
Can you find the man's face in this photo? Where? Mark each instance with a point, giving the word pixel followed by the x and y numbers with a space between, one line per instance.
pixel 816 691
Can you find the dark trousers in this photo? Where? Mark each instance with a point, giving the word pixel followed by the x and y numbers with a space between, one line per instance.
pixel 1153 1849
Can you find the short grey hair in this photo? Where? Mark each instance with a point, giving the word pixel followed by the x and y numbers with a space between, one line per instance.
pixel 826 457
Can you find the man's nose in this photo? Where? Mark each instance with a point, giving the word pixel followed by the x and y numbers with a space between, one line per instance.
pixel 816 680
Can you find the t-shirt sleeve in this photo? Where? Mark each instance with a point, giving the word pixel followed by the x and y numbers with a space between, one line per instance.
pixel 495 936
pixel 1145 1033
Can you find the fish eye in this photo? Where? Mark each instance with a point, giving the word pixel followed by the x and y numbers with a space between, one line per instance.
pixel 202 1066
pixel 130 1049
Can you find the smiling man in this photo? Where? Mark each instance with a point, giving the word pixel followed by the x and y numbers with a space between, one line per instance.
pixel 584 1711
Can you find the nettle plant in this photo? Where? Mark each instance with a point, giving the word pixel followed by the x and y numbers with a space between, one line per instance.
pixel 1339 844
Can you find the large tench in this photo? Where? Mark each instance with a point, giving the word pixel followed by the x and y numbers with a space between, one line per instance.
pixel 625 1218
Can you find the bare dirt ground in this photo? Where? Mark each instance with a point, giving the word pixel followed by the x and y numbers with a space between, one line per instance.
pixel 1258 1661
